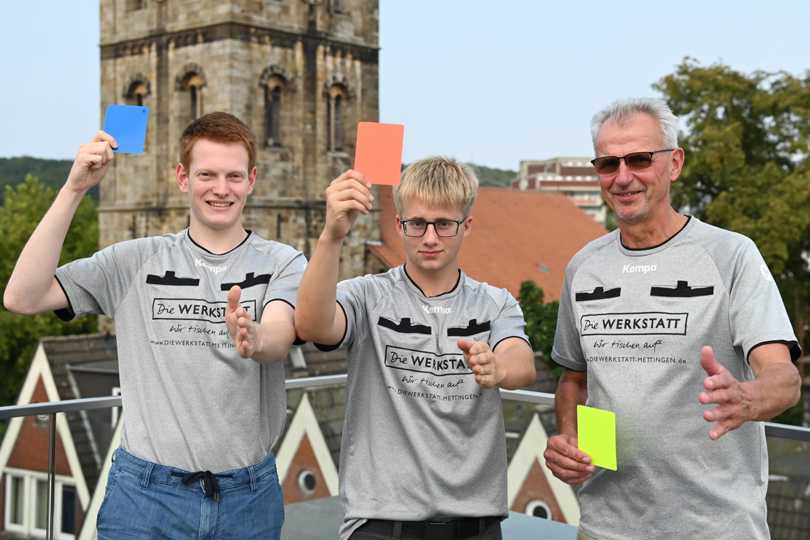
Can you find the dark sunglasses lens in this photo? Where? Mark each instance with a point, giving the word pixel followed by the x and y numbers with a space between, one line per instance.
pixel 606 164
pixel 641 160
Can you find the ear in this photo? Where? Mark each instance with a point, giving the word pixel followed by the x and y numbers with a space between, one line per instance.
pixel 181 175
pixel 399 226
pixel 678 157
pixel 467 226
pixel 251 180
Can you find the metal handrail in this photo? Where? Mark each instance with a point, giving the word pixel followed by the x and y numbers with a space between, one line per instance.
pixel 51 409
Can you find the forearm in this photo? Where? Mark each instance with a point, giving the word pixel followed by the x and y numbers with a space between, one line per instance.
pixel 315 309
pixel 571 391
pixel 776 388
pixel 516 362
pixel 32 276
pixel 276 338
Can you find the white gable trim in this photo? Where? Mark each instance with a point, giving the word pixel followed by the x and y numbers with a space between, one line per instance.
pixel 530 450
pixel 88 531
pixel 40 369
pixel 304 422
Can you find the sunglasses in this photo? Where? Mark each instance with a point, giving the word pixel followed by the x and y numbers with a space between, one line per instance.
pixel 635 161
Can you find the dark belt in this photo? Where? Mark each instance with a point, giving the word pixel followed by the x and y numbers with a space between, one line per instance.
pixel 451 529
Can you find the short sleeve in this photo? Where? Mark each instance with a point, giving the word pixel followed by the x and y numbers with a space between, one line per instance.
pixel 97 284
pixel 286 280
pixel 567 349
pixel 509 322
pixel 351 297
pixel 757 314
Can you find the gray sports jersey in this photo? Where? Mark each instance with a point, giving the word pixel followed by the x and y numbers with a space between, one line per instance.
pixel 421 438
pixel 190 400
pixel 636 320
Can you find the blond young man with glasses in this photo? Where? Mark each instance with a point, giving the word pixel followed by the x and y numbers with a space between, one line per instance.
pixel 678 327
pixel 423 453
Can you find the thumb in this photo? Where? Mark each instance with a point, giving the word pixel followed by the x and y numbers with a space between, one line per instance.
pixel 465 345
pixel 709 362
pixel 233 298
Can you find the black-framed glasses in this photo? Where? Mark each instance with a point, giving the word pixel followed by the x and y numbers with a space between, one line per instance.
pixel 418 227
pixel 635 161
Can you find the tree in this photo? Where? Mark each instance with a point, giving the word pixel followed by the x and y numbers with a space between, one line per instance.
pixel 541 321
pixel 23 207
pixel 748 165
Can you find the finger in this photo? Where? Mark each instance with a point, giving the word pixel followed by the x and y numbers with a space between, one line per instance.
pixel 233 298
pixel 568 448
pixel 709 362
pixel 724 379
pixel 103 136
pixel 566 475
pixel 564 462
pixel 464 345
pixel 348 182
pixel 718 414
pixel 717 396
pixel 352 194
pixel 718 430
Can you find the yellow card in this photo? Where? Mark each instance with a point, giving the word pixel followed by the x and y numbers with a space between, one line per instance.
pixel 596 435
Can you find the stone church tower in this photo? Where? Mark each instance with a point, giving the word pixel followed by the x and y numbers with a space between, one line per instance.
pixel 300 73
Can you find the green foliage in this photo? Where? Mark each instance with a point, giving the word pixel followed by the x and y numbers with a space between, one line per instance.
pixel 748 165
pixel 51 172
pixel 541 321
pixel 491 176
pixel 23 208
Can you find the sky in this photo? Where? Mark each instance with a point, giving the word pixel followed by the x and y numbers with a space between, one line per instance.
pixel 487 82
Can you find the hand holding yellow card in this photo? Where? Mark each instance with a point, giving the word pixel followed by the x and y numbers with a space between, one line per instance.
pixel 596 435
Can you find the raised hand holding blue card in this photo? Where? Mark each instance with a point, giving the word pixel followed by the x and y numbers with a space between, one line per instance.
pixel 127 124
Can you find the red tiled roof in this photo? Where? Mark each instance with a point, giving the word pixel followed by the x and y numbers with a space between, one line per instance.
pixel 516 236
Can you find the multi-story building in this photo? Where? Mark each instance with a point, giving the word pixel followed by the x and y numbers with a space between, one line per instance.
pixel 573 176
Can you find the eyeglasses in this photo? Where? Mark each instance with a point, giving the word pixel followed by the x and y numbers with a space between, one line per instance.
pixel 635 161
pixel 418 227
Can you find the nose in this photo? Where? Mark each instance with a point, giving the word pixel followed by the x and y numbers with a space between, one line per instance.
pixel 624 176
pixel 430 236
pixel 220 186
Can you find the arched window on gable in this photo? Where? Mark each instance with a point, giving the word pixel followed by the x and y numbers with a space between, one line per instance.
pixel 273 96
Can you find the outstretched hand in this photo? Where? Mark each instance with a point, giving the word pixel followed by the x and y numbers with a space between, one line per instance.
pixel 244 332
pixel 734 405
pixel 481 360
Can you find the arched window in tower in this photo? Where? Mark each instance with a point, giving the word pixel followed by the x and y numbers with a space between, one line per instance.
pixel 272 111
pixel 335 110
pixel 195 85
pixel 190 85
pixel 137 92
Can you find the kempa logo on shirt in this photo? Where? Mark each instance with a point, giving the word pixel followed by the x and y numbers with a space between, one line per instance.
pixel 647 323
pixel 191 309
pixel 437 309
pixel 426 361
pixel 639 268
pixel 210 267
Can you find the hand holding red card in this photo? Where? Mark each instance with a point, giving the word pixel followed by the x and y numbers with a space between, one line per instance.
pixel 378 153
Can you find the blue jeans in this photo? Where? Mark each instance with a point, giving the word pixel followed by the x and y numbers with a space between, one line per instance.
pixel 147 501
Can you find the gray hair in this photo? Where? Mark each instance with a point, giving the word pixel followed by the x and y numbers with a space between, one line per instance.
pixel 621 110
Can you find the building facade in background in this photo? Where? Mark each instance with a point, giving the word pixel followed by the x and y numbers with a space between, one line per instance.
pixel 301 74
pixel 573 176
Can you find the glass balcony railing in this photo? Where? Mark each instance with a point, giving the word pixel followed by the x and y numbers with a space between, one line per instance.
pixel 49 504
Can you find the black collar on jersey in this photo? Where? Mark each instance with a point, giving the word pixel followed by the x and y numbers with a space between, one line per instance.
pixel 248 232
pixel 688 219
pixel 458 280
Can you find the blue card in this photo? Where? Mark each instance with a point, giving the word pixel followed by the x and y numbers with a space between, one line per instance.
pixel 127 124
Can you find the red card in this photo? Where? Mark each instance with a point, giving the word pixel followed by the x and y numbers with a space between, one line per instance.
pixel 378 153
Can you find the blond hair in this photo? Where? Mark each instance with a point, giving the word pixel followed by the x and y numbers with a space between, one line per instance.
pixel 437 181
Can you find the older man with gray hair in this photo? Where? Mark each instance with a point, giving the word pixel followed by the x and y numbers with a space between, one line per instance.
pixel 672 324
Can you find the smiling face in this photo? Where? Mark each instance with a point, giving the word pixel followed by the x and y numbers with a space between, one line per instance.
pixel 218 183
pixel 642 195
pixel 431 253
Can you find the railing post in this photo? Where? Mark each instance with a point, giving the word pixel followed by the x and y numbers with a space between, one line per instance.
pixel 51 473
